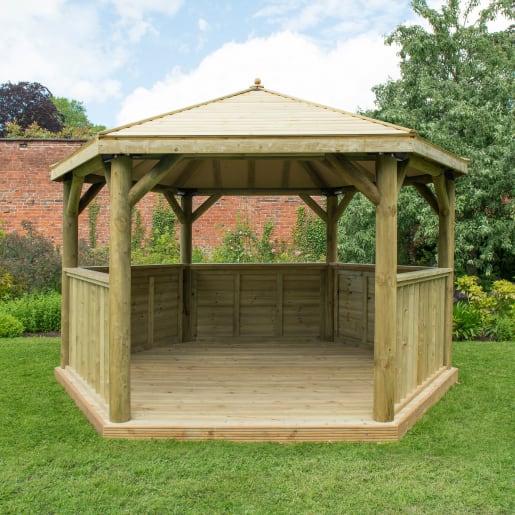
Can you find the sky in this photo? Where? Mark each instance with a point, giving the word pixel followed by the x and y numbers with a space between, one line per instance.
pixel 131 59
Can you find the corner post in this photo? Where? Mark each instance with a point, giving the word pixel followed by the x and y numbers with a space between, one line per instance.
pixel 186 259
pixel 385 330
pixel 70 259
pixel 331 258
pixel 446 260
pixel 120 290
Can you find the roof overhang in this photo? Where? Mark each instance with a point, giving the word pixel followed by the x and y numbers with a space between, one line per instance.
pixel 224 145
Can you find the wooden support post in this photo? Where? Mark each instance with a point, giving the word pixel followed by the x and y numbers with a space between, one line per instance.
pixel 385 290
pixel 69 260
pixel 446 260
pixel 331 258
pixel 186 258
pixel 120 291
pixel 186 229
pixel 332 229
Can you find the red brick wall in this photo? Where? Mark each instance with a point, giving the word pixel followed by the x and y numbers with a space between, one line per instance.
pixel 27 193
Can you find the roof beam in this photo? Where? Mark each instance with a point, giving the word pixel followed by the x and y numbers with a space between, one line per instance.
pixel 314 174
pixel 285 177
pixel 356 177
pixel 213 199
pixel 344 203
pixel 402 169
pixel 251 167
pixel 441 194
pixel 90 194
pixel 187 174
pixel 314 206
pixel 148 181
pixel 72 208
pixel 425 166
pixel 217 173
pixel 428 196
pixel 176 208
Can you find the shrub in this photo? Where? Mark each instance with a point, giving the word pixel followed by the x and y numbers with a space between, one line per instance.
pixel 40 312
pixel 31 260
pixel 495 309
pixel 309 237
pixel 10 327
pixel 6 284
pixel 466 321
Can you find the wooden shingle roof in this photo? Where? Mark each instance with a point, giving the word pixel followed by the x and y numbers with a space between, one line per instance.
pixel 257 112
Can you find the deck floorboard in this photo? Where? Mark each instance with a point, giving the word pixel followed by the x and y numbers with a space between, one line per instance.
pixel 254 391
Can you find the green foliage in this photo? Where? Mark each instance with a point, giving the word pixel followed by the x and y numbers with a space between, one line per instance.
pixel 309 237
pixel 495 310
pixel 162 245
pixel 75 116
pixel 457 89
pixel 6 284
pixel 356 232
pixel 93 210
pixel 31 260
pixel 138 231
pixel 239 245
pixel 466 322
pixel 10 326
pixel 37 312
pixel 242 245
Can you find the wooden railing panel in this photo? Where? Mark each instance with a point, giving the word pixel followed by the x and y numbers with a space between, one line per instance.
pixel 257 300
pixel 302 304
pixel 89 327
pixel 354 311
pixel 156 306
pixel 421 305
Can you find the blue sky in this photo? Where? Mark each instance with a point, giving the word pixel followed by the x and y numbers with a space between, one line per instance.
pixel 129 59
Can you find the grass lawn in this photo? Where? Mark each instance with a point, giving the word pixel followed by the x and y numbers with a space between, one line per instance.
pixel 458 459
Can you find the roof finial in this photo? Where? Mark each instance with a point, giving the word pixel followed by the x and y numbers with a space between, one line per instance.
pixel 257 84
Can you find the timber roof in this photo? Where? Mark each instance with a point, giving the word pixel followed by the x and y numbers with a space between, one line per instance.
pixel 260 141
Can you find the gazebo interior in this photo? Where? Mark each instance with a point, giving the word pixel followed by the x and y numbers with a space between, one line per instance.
pixel 275 352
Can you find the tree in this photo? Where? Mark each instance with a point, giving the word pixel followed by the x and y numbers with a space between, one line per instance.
pixel 457 90
pixel 74 115
pixel 26 103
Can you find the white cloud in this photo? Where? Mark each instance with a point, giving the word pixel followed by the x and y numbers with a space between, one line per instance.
pixel 302 15
pixel 60 46
pixel 287 62
pixel 134 21
pixel 203 25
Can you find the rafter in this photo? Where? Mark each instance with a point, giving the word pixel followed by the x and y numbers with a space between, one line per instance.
pixel 251 167
pixel 149 180
pixel 188 173
pixel 314 174
pixel 285 175
pixel 355 176
pixel 217 173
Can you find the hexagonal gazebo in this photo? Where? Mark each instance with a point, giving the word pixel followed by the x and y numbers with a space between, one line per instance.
pixel 284 352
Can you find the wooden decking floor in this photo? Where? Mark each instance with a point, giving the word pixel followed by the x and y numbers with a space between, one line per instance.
pixel 280 391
